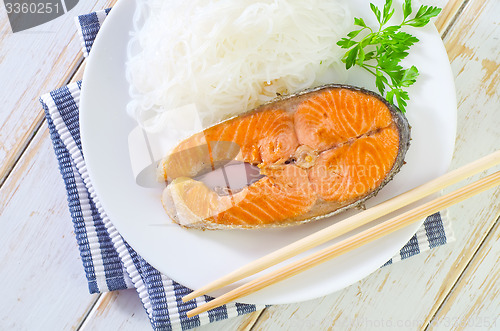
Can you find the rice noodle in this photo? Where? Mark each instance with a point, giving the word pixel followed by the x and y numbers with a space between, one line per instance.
pixel 229 56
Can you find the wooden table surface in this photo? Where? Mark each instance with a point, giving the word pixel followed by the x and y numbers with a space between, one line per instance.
pixel 43 283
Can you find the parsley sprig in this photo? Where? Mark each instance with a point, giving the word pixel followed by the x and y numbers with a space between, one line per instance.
pixel 381 51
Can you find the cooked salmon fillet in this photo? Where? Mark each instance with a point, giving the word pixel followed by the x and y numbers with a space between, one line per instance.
pixel 320 151
pixel 265 137
pixel 338 115
pixel 254 206
pixel 355 168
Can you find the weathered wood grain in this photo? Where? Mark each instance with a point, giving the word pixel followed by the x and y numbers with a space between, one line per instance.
pixel 475 53
pixel 118 310
pixel 451 11
pixel 42 275
pixel 34 62
pixel 43 282
pixel 474 302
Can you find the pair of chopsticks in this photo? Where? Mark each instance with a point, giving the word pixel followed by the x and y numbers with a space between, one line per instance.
pixel 348 225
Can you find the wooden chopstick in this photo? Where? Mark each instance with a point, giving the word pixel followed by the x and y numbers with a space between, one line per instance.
pixel 349 224
pixel 353 242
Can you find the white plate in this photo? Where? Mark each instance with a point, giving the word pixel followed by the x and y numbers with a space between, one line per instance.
pixel 194 258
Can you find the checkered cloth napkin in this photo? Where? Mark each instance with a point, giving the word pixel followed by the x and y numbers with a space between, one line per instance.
pixel 110 263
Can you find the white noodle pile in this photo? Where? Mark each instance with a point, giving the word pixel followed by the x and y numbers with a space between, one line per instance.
pixel 229 56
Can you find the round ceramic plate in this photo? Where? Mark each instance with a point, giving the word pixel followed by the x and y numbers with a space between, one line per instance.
pixel 194 258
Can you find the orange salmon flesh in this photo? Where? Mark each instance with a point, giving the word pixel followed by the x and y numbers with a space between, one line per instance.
pixel 320 151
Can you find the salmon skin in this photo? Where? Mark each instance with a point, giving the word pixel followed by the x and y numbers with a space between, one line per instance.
pixel 320 151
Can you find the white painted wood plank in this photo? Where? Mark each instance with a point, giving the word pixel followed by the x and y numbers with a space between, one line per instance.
pixel 118 310
pixel 34 62
pixel 475 300
pixel 450 10
pixel 43 281
pixel 406 295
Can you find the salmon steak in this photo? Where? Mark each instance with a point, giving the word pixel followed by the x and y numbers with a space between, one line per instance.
pixel 319 152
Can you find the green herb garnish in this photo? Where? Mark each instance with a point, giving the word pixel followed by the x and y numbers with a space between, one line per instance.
pixel 381 51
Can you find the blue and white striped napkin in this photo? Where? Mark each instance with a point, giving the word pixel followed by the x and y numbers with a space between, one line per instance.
pixel 109 262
